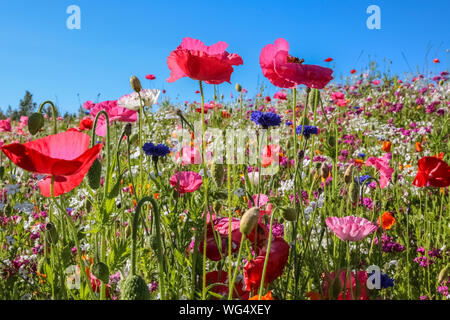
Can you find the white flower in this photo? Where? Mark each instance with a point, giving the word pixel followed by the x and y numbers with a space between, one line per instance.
pixel 132 101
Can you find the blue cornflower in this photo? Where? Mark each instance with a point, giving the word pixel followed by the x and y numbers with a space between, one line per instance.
pixel 308 131
pixel 155 151
pixel 362 179
pixel 87 112
pixel 288 123
pixel 361 155
pixel 385 281
pixel 268 119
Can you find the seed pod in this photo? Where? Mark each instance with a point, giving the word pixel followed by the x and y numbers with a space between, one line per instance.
pixel 135 84
pixel 324 171
pixel 348 174
pixel 217 173
pixel 101 271
pixel 238 87
pixel 288 213
pixel 35 123
pixel 50 233
pixel 94 175
pixel 443 274
pixel 353 192
pixel 134 288
pixel 249 220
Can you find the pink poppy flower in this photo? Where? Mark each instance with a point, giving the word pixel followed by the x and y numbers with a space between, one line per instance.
pixel 115 113
pixel 23 122
pixel 286 71
pixel 280 95
pixel 189 181
pixel 350 228
pixel 197 61
pixel 376 82
pixel 5 125
pixel 382 165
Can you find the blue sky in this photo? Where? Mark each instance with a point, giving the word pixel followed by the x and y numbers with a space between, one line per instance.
pixel 118 39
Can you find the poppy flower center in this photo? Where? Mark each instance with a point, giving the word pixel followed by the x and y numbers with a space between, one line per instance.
pixel 292 59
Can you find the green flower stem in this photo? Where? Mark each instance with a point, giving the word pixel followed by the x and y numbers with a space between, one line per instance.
pixel 41 107
pixel 141 170
pixel 135 223
pixel 266 259
pixel 205 178
pixel 231 284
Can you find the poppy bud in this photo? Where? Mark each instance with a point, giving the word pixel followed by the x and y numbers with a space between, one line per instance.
pixel 88 205
pixel 348 174
pixel 217 173
pixel 353 192
pixel 50 233
pixel 35 123
pixel 331 140
pixel 324 171
pixel 127 129
pixel 94 175
pixel 134 288
pixel 288 213
pixel 238 87
pixel 101 271
pixel 135 84
pixel 300 155
pixel 249 220
pixel 221 96
pixel 2 172
pixel 133 138
pixel 128 231
pixel 443 274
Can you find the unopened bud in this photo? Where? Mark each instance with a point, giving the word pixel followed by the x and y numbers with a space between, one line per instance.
pixel 353 192
pixel 94 174
pixel 101 271
pixel 324 171
pixel 217 173
pixel 35 123
pixel 300 155
pixel 238 87
pixel 443 274
pixel 135 84
pixel 348 174
pixel 127 129
pixel 288 213
pixel 249 220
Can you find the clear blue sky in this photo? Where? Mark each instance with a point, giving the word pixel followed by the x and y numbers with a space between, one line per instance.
pixel 123 38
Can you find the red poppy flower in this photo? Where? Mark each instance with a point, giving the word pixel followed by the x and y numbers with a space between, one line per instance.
pixel 352 71
pixel 221 279
pixel 286 71
pixel 432 172
pixel 339 279
pixel 197 61
pixel 278 256
pixel 436 61
pixel 65 155
pixel 86 124
pixel 328 59
pixel 150 77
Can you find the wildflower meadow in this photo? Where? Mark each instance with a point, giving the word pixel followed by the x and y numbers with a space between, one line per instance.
pixel 325 190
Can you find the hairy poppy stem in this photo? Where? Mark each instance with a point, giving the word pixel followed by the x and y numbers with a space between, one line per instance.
pixel 231 284
pixel 41 107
